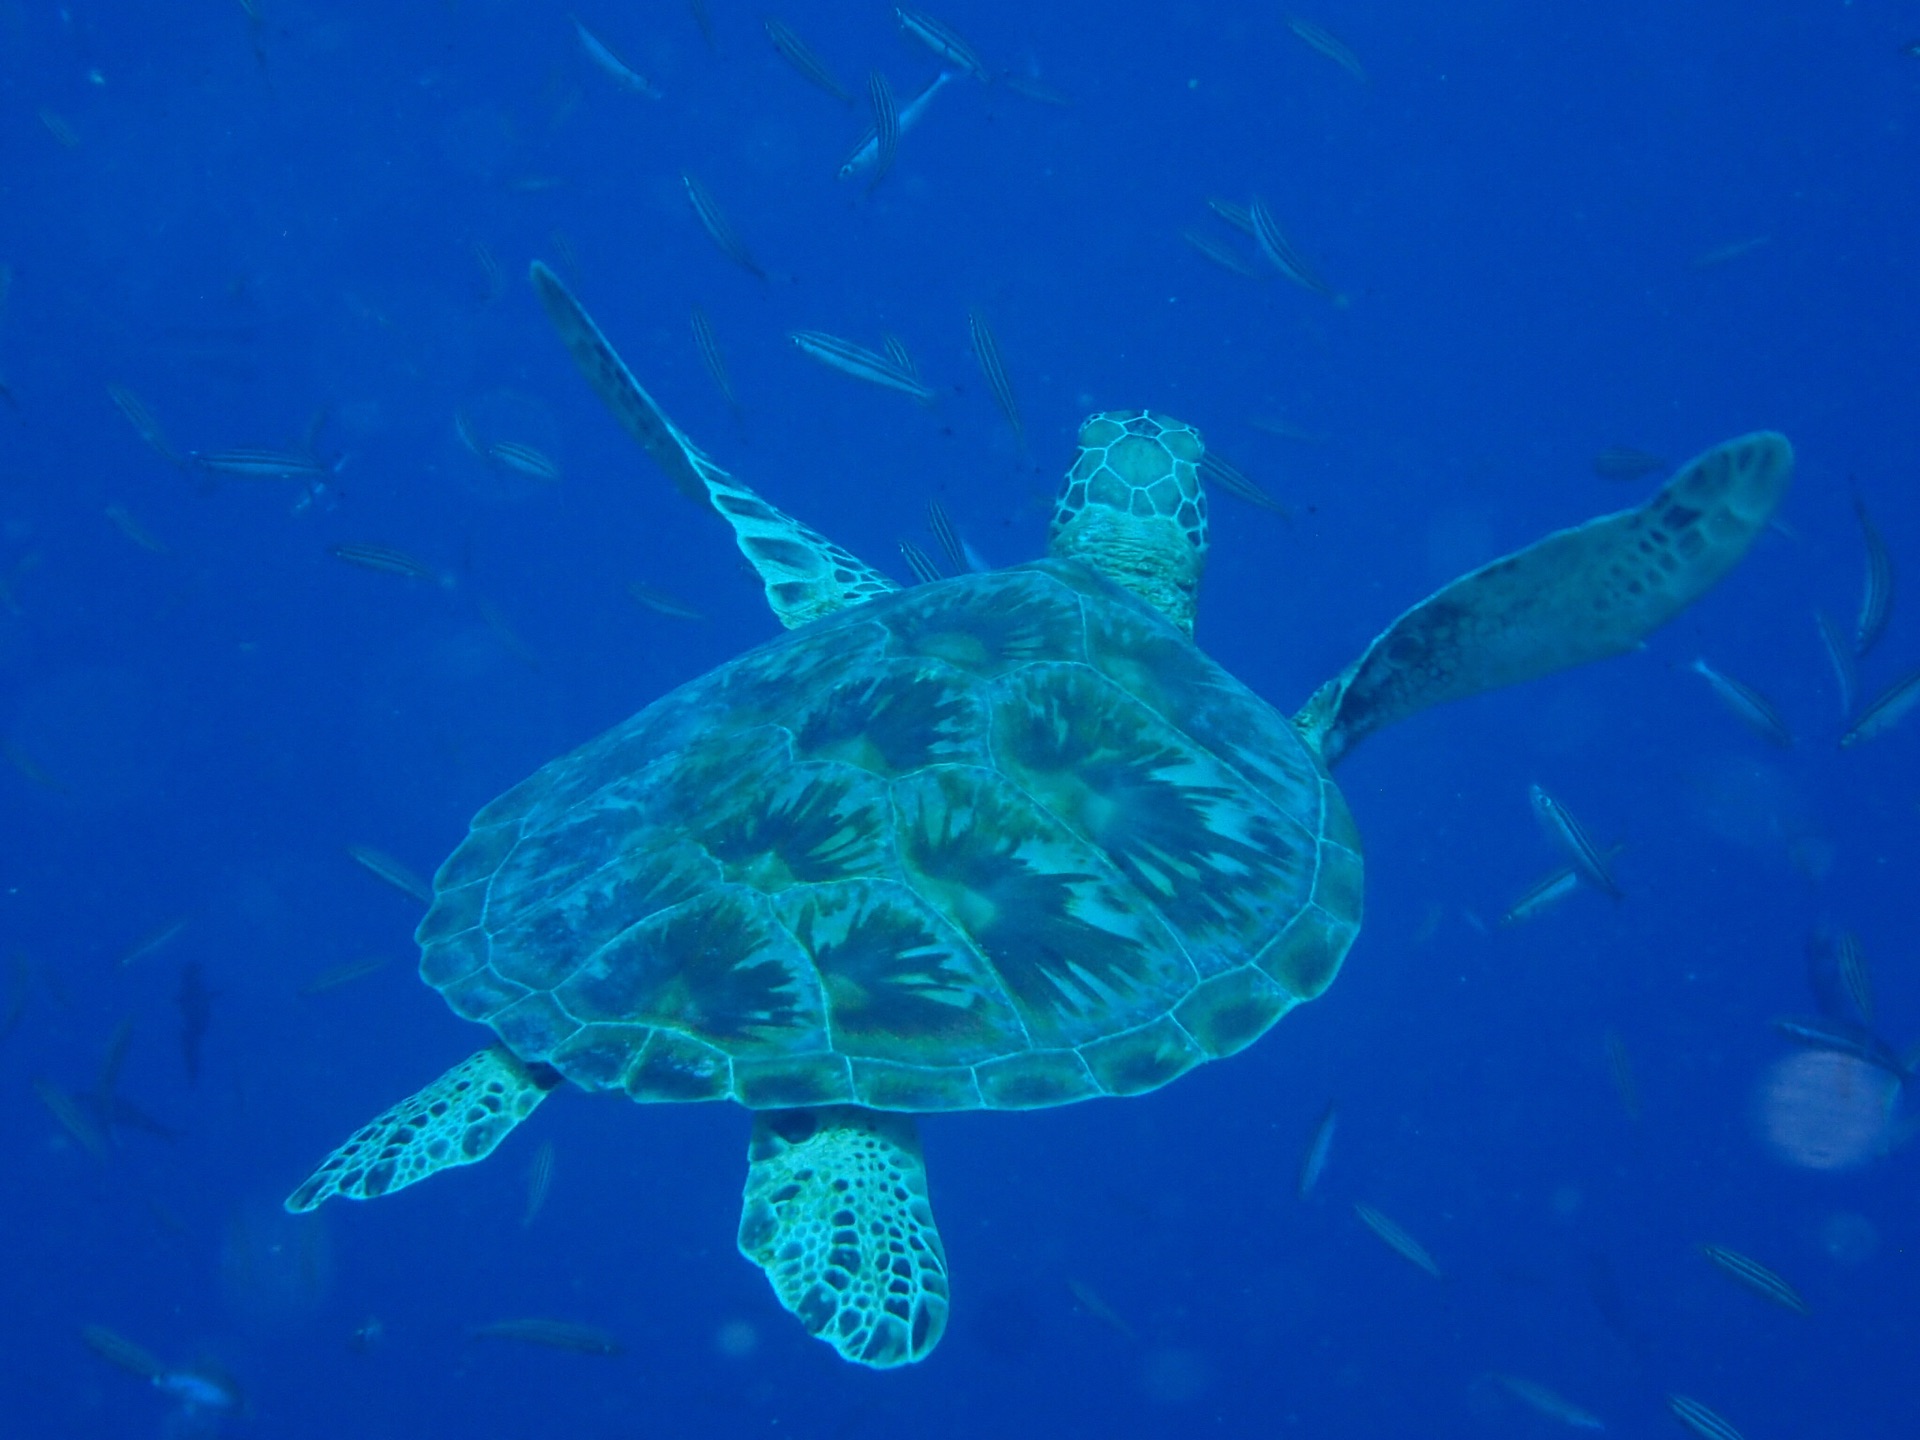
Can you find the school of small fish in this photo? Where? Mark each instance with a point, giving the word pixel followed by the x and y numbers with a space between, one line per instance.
pixel 1243 237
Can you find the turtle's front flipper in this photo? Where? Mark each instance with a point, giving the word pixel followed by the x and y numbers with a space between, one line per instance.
pixel 1578 595
pixel 806 574
pixel 456 1120
pixel 836 1213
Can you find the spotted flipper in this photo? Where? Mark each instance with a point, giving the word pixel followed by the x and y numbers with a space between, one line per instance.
pixel 806 575
pixel 836 1213
pixel 456 1120
pixel 1578 595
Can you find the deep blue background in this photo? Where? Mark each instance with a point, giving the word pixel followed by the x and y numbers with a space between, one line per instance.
pixel 257 224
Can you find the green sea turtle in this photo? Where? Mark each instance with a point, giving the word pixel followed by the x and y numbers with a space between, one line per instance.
pixel 1003 841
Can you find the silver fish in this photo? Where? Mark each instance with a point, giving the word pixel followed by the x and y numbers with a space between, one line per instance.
pixel 624 75
pixel 1749 704
pixel 1544 1401
pixel 986 350
pixel 1566 832
pixel 942 40
pixel 1876 598
pixel 384 866
pixel 868 149
pixel 1220 253
pixel 661 603
pixel 795 52
pixel 1699 1419
pixel 1840 656
pixel 141 418
pixel 1327 45
pixel 859 362
pixel 1823 1032
pixel 1885 710
pixel 554 1334
pixel 124 521
pixel 1313 1160
pixel 714 221
pixel 1398 1240
pixel 153 940
pixel 1280 251
pixel 1757 1278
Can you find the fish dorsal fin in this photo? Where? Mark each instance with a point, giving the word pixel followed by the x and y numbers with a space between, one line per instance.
pixel 1582 594
pixel 805 574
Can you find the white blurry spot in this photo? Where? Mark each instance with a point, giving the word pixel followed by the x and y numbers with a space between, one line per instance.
pixel 1567 1200
pixel 1849 1239
pixel 1825 1111
pixel 736 1339
pixel 274 1266
pixel 1175 1377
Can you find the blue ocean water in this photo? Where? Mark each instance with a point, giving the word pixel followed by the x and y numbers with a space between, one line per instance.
pixel 1550 230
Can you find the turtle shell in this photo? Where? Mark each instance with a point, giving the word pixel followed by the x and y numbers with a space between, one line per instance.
pixel 1003 841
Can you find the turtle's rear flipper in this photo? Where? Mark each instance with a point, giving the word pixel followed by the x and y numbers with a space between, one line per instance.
pixel 1578 595
pixel 806 575
pixel 456 1120
pixel 836 1213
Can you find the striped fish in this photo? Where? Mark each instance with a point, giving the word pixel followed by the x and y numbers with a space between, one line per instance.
pixel 1566 832
pixel 388 561
pixel 343 975
pixel 524 460
pixel 1220 253
pixel 385 867
pixel 1843 1037
pixel 947 537
pixel 124 522
pixel 1855 977
pixel 1280 252
pixel 795 52
pixel 920 563
pixel 154 940
pixel 141 418
pixel 539 1182
pixel 1547 892
pixel 624 75
pixel 73 1118
pixel 986 350
pixel 943 41
pixel 1749 704
pixel 714 221
pixel 1234 213
pixel 895 349
pixel 868 148
pixel 1876 598
pixel 1621 1068
pixel 1885 711
pixel 247 463
pixel 118 1350
pixel 708 344
pixel 554 1334
pixel 859 362
pixel 1840 656
pixel 1757 1278
pixel 1700 1420
pixel 1327 45
pixel 886 127
pixel 1217 470
pixel 1398 1240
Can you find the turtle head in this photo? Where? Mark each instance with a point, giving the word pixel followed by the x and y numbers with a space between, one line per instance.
pixel 1132 508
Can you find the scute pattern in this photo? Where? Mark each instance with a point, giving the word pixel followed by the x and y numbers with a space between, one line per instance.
pixel 1003 841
